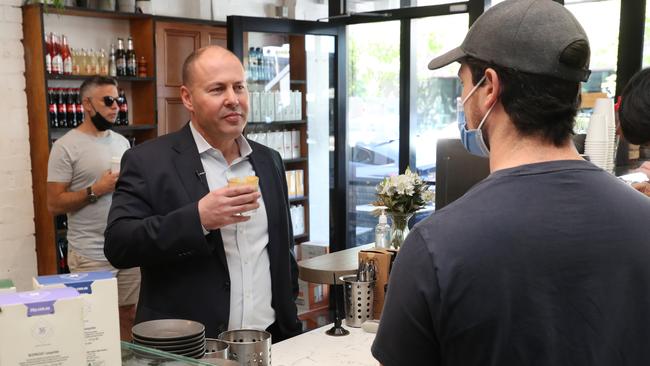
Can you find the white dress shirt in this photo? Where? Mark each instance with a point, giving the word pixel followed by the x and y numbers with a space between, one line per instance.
pixel 245 244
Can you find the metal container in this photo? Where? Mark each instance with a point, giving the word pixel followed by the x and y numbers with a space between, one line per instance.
pixel 249 347
pixel 359 298
pixel 215 348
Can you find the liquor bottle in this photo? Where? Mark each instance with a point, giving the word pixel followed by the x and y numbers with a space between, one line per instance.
pixel 71 108
pixel 57 61
pixel 131 60
pixel 48 53
pixel 120 57
pixel 112 67
pixel 76 68
pixel 51 106
pixel 61 108
pixel 259 63
pixel 123 115
pixel 93 60
pixel 142 67
pixel 66 56
pixel 251 63
pixel 102 64
pixel 83 62
pixel 80 107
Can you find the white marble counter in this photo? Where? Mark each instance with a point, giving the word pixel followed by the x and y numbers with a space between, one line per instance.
pixel 317 348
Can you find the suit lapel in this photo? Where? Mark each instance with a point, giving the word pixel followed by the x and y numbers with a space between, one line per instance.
pixel 192 175
pixel 189 167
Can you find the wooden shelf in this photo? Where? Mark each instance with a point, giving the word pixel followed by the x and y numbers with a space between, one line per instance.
pixel 310 312
pixel 85 12
pixel 295 160
pixel 56 133
pixel 301 236
pixel 298 199
pixel 256 124
pixel 84 77
pixel 292 81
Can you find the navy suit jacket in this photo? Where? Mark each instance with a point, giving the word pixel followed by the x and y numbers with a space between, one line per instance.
pixel 154 224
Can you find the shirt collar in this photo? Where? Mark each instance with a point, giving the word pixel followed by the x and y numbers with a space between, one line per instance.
pixel 203 146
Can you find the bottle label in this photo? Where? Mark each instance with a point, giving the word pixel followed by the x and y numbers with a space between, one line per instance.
pixel 67 66
pixel 57 64
pixel 48 63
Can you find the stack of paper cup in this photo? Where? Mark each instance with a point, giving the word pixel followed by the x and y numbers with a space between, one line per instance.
pixel 600 143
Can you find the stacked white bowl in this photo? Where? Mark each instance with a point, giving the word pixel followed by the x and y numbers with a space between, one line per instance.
pixel 600 143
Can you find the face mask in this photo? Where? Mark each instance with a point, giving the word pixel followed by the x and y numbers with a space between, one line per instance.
pixel 101 123
pixel 473 139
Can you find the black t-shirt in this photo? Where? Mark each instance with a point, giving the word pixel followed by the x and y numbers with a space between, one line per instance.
pixel 542 264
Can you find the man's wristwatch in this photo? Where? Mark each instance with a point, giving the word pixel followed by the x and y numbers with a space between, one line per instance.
pixel 92 197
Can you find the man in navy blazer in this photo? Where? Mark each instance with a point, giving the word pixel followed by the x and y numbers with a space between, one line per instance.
pixel 217 255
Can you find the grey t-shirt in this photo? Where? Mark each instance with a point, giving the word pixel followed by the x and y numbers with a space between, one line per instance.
pixel 542 264
pixel 81 159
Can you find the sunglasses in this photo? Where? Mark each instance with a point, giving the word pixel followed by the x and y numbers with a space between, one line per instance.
pixel 108 101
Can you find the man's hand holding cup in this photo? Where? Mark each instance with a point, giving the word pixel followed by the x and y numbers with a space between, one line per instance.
pixel 247 181
pixel 228 205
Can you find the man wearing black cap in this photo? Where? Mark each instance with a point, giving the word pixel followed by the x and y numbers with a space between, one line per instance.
pixel 545 262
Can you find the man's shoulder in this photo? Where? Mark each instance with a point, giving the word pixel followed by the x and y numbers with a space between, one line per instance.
pixel 256 146
pixel 70 137
pixel 264 150
pixel 158 145
pixel 116 136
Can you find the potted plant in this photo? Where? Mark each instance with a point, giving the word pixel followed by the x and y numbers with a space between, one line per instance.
pixel 402 195
pixel 59 4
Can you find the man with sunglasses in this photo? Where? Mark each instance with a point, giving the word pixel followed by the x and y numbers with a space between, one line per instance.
pixel 80 184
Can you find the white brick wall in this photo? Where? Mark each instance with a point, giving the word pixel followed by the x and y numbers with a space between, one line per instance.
pixel 17 245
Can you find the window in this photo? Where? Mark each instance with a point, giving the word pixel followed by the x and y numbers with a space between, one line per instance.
pixel 600 19
pixel 359 6
pixel 433 113
pixel 373 118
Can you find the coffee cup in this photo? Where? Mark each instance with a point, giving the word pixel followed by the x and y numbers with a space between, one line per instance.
pixel 249 180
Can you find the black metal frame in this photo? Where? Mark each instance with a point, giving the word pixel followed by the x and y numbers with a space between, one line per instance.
pixel 630 50
pixel 630 56
pixel 630 41
pixel 406 123
pixel 237 26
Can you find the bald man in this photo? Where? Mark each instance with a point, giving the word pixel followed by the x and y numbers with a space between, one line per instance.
pixel 217 255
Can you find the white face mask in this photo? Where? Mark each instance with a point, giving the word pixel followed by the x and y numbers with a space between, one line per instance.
pixel 473 139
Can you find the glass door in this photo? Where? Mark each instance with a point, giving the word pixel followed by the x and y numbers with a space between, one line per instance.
pixel 398 108
pixel 294 86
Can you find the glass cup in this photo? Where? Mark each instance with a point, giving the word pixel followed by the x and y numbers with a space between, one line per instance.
pixel 249 180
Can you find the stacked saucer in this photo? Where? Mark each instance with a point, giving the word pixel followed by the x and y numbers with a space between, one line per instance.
pixel 178 336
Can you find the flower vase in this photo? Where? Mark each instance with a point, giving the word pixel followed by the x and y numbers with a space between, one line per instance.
pixel 399 228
